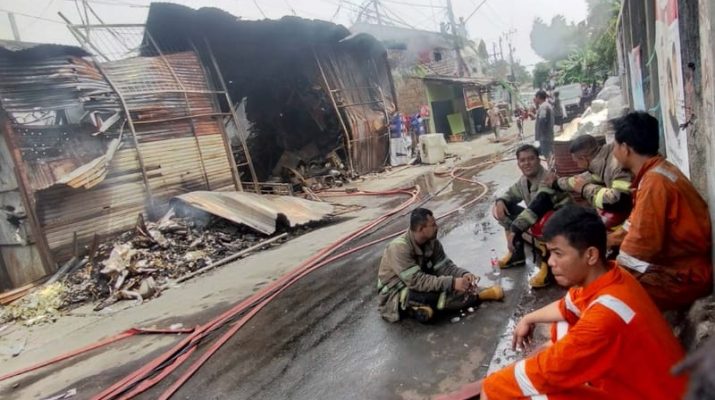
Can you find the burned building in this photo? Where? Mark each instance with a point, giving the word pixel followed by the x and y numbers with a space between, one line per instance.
pixel 88 146
pixel 92 137
pixel 310 90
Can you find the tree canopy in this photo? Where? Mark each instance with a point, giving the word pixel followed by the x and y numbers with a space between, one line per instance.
pixel 582 52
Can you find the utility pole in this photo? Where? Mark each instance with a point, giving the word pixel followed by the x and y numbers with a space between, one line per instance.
pixel 13 25
pixel 377 11
pixel 511 50
pixel 501 50
pixel 457 39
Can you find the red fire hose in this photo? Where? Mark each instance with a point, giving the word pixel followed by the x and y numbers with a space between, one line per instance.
pixel 162 366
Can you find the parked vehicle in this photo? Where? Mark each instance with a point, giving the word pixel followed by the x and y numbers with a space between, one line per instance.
pixel 570 96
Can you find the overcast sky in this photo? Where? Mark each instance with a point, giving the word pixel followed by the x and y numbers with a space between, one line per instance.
pixel 40 22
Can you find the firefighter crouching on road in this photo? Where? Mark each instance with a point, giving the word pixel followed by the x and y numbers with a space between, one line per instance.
pixel 604 185
pixel 610 341
pixel 416 278
pixel 666 242
pixel 540 199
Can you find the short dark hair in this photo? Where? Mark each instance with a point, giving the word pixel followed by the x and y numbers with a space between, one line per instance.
pixel 419 217
pixel 583 143
pixel 581 226
pixel 527 147
pixel 639 130
pixel 541 94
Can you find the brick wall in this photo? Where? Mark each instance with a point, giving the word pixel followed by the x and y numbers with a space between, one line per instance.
pixel 410 94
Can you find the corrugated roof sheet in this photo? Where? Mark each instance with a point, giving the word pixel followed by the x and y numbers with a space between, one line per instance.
pixel 260 212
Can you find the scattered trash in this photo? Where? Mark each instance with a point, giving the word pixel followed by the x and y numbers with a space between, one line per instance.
pixel 42 304
pixel 19 348
pixel 66 395
pixel 455 320
pixel 470 309
pixel 175 327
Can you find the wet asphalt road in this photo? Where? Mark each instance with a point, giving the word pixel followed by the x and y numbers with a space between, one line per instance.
pixel 323 338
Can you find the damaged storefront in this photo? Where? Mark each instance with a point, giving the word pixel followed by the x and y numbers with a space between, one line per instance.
pixel 314 100
pixel 88 146
pixel 99 139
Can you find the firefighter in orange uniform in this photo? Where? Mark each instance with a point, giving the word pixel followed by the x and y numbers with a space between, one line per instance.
pixel 610 340
pixel 666 242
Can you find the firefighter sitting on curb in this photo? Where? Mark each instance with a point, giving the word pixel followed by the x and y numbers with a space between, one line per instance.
pixel 605 185
pixel 416 278
pixel 540 199
pixel 609 340
pixel 667 241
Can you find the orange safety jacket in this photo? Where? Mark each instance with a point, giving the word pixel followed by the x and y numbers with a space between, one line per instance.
pixel 668 234
pixel 614 344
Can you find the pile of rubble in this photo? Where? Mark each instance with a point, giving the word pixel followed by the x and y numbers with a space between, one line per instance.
pixel 307 168
pixel 140 263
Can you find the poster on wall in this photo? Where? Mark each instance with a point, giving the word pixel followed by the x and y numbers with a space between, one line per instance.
pixel 472 98
pixel 670 81
pixel 634 63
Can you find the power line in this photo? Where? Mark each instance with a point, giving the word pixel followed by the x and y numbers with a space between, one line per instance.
pixel 117 3
pixel 42 13
pixel 340 5
pixel 259 8
pixel 475 10
pixel 499 17
pixel 406 3
pixel 292 10
pixel 397 16
pixel 32 16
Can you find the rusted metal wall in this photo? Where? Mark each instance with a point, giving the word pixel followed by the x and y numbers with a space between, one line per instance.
pixel 19 258
pixel 178 137
pixel 358 73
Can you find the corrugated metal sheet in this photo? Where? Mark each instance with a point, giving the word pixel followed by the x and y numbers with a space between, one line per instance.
pixel 19 258
pixel 260 212
pixel 88 182
pixel 359 74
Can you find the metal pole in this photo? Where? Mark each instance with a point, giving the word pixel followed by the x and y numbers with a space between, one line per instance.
pixel 188 106
pixel 235 120
pixel 13 25
pixel 130 122
pixel 337 111
pixel 83 41
pixel 455 38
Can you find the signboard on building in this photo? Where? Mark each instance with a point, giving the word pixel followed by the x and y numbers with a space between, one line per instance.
pixel 472 98
pixel 670 81
pixel 634 64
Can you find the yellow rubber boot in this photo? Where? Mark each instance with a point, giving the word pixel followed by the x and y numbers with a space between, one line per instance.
pixel 514 259
pixel 541 279
pixel 492 293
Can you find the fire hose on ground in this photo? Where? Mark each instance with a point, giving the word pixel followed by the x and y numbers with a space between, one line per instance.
pixel 162 366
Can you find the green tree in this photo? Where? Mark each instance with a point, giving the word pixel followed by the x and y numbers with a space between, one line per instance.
pixel 541 74
pixel 597 59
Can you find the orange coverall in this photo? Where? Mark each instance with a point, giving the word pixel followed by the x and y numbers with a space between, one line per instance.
pixel 614 344
pixel 668 237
